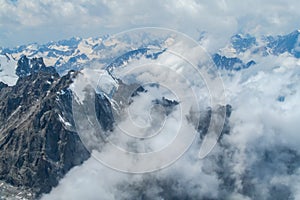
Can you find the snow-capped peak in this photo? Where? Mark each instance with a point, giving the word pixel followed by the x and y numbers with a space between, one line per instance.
pixel 8 70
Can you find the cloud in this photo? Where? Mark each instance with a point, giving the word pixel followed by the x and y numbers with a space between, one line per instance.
pixel 259 159
pixel 30 21
pixel 172 139
pixel 264 131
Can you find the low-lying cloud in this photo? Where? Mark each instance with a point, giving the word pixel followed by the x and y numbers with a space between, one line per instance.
pixel 259 159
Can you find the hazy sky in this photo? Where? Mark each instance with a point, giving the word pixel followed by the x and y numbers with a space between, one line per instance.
pixel 26 21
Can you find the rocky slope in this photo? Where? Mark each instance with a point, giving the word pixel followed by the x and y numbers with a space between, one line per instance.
pixel 38 144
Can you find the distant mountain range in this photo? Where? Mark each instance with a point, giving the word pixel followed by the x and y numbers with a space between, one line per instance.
pixel 76 52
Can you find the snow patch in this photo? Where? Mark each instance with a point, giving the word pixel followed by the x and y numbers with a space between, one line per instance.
pixel 8 70
pixel 64 121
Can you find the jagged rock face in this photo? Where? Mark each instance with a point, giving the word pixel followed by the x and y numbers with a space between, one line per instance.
pixel 222 62
pixel 104 112
pixel 38 144
pixel 242 43
pixel 2 85
pixel 26 66
pixel 205 118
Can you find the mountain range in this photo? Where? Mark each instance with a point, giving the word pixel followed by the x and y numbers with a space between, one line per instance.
pixel 39 143
pixel 74 53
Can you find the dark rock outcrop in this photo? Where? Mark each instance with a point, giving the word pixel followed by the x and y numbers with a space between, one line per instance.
pixel 236 64
pixel 26 66
pixel 243 42
pixel 206 116
pixel 2 85
pixel 286 43
pixel 38 143
pixel 104 112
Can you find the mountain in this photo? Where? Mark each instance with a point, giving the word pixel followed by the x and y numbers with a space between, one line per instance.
pixel 287 43
pixel 235 55
pixel 26 66
pixel 63 55
pixel 38 143
pixel 75 53
pixel 223 62
pixel 8 69
pixel 241 43
pixel 264 45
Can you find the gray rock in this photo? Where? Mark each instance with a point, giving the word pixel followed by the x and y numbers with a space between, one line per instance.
pixel 37 146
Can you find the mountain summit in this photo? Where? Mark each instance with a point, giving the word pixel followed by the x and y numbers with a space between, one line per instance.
pixel 38 142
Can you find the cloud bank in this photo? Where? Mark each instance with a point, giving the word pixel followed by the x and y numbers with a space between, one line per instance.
pixel 259 159
pixel 41 21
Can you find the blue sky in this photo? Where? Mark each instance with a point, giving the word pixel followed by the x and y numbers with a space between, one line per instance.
pixel 26 21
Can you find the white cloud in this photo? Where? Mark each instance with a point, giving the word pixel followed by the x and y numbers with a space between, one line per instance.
pixel 260 158
pixel 29 21
pixel 265 132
